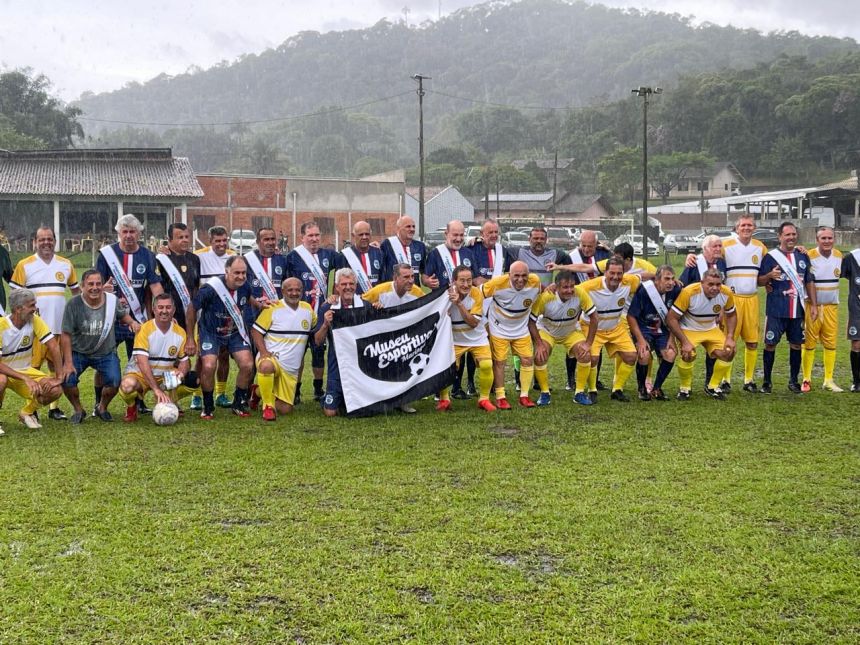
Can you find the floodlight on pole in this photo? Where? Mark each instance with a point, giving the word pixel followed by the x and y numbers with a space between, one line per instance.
pixel 645 92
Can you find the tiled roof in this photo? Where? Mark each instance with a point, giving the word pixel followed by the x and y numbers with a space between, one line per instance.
pixel 429 191
pixel 520 197
pixel 98 173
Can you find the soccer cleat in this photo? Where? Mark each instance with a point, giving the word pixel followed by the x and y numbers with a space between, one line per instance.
pixel 141 407
pixel 544 399
pixel 269 413
pixel 104 415
pixel 593 396
pixel 223 402
pixel 130 414
pixel 459 394
pixel 766 388
pixel 56 414
pixel 207 415
pixel 471 390
pixel 240 410
pixel 618 395
pixel 658 395
pixel 407 409
pixel 715 393
pixel 486 405
pixel 601 386
pixel 1 430
pixel 682 395
pixel 830 386
pixel 751 387
pixel 254 398
pixel 806 386
pixel 795 388
pixel 443 406
pixel 855 387
pixel 526 402
pixel 196 403
pixel 582 398
pixel 502 404
pixel 726 387
pixel 78 418
pixel 569 386
pixel 30 421
pixel 643 394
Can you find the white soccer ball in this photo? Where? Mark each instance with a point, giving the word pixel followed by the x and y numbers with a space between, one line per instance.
pixel 165 414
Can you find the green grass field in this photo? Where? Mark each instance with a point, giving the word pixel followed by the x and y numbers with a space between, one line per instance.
pixel 708 521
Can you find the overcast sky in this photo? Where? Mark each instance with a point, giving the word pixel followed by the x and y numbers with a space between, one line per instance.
pixel 100 45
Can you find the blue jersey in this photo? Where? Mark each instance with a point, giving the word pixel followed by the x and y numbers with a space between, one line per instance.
pixel 600 254
pixel 436 266
pixel 691 274
pixel 275 267
pixel 213 317
pixel 140 269
pixel 417 253
pixel 783 301
pixel 296 268
pixel 371 261
pixel 645 313
pixel 484 265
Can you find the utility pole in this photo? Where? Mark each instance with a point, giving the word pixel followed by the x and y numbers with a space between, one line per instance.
pixel 554 183
pixel 645 92
pixel 420 78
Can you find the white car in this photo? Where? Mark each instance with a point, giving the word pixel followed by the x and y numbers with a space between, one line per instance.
pixel 635 240
pixel 516 238
pixel 242 241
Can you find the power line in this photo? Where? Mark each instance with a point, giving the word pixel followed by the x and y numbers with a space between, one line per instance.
pixel 293 117
pixel 548 108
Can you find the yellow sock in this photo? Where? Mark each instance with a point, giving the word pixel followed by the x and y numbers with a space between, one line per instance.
pixel 622 373
pixel 583 372
pixel 829 364
pixel 445 395
pixel 220 388
pixel 128 398
pixel 750 356
pixel 30 406
pixel 500 393
pixel 485 379
pixel 685 375
pixel 266 387
pixel 542 378
pixel 721 369
pixel 527 379
pixel 808 361
pixel 592 379
pixel 181 392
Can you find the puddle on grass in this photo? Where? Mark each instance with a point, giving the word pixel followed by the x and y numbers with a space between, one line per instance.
pixel 508 560
pixel 530 563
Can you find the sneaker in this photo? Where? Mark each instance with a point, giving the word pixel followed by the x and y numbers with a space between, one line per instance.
pixel 830 386
pixel 643 394
pixel 682 395
pixel 240 410
pixel 766 388
pixel 543 399
pixel 56 414
pixel 196 403
pixel 141 407
pixel 408 409
pixel 526 402
pixel 582 398
pixel 1 430
pixel 460 395
pixel 502 404
pixel 601 386
pixel 223 402
pixel 443 406
pixel 648 385
pixel 569 386
pixel 269 413
pixel 855 387
pixel 130 414
pixel 471 390
pixel 30 421
pixel 318 395
pixel 207 415
pixel 795 388
pixel 254 398
pixel 715 393
pixel 751 387
pixel 486 405
pixel 592 396
pixel 657 394
pixel 806 386
pixel 618 395
pixel 726 387
pixel 78 418
pixel 104 415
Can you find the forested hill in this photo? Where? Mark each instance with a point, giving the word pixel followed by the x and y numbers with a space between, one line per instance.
pixel 535 52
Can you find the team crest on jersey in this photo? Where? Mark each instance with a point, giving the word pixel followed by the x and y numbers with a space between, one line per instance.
pixel 717 309
pixel 256 282
pixel 621 302
pixel 801 264
pixel 852 331
pixel 306 325
pixel 570 312
pixel 376 264
pixel 306 276
pixel 183 268
pixel 59 276
pixel 770 335
pixel 25 341
pixel 755 259
pixel 278 270
pixel 527 302
pixel 171 351
pixel 467 262
pixel 243 301
pixel 836 272
pixel 324 262
pixel 416 257
pixel 141 269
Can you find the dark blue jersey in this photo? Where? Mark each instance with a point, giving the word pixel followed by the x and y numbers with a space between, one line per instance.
pixel 296 268
pixel 484 264
pixel 437 266
pixel 645 313
pixel 783 300
pixel 138 266
pixel 691 274
pixel 371 261
pixel 275 267
pixel 417 253
pixel 212 315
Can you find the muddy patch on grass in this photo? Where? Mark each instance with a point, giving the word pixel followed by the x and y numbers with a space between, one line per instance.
pixel 265 602
pixel 208 602
pixel 422 594
pixel 508 560
pixel 506 431
pixel 75 548
pixel 532 564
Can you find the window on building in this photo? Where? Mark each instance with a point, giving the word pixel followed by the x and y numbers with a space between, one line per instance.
pixel 683 186
pixel 702 186
pixel 261 221
pixel 326 225
pixel 202 224
pixel 377 225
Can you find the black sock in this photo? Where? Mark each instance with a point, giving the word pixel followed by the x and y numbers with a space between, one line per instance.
pixel 641 374
pixel 299 389
pixel 767 359
pixel 239 397
pixel 709 368
pixel 570 366
pixel 318 386
pixel 471 367
pixel 208 402
pixel 98 389
pixel 855 366
pixel 599 364
pixel 793 364
pixel 457 382
pixel 662 373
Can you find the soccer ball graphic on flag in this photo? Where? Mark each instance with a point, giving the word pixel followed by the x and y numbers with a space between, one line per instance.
pixel 418 364
pixel 165 414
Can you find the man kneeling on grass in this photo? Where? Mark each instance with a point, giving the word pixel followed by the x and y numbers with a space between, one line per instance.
pixel 88 341
pixel 158 360
pixel 19 331
pixel 280 334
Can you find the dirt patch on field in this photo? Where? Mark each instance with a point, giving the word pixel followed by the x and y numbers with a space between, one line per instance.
pixel 422 594
pixel 506 431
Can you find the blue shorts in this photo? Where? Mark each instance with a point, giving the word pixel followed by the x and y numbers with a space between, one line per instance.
pixel 333 397
pixel 657 342
pixel 107 366
pixel 211 343
pixel 775 327
pixel 317 355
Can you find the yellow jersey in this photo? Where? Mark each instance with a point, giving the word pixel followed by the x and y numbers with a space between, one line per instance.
pixel 611 306
pixel 48 280
pixel 163 349
pixel 509 310
pixel 826 272
pixel 464 335
pixel 16 345
pixel 742 264
pixel 384 293
pixel 560 318
pixel 286 332
pixel 697 312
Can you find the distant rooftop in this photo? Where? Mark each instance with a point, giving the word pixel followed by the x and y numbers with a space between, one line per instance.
pixel 519 197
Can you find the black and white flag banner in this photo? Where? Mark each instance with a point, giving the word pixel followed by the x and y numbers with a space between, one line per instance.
pixel 388 357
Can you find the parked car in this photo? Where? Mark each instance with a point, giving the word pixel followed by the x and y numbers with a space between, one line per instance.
pixel 242 240
pixel 558 237
pixel 678 243
pixel 635 240
pixel 767 237
pixel 723 235
pixel 516 239
pixel 434 238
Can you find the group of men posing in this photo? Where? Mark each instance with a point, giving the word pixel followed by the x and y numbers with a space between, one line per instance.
pixel 265 310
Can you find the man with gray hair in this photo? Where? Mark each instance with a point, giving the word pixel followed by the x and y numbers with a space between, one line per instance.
pixel 128 269
pixel 21 332
pixel 711 257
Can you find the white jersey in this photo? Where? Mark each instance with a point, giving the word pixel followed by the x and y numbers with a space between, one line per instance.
pixel 509 311
pixel 286 332
pixel 16 345
pixel 611 306
pixel 826 272
pixel 742 265
pixel 48 280
pixel 560 318
pixel 163 349
pixel 211 265
pixel 464 335
pixel 697 312
pixel 384 293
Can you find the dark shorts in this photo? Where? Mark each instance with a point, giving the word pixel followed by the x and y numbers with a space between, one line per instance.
pixel 775 327
pixel 853 327
pixel 333 397
pixel 107 366
pixel 211 343
pixel 317 355
pixel 657 342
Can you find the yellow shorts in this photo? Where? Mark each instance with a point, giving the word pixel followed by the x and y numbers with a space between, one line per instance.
pixel 19 387
pixel 501 347
pixel 479 353
pixel 144 387
pixel 568 341
pixel 711 339
pixel 822 330
pixel 615 340
pixel 40 353
pixel 747 326
pixel 285 383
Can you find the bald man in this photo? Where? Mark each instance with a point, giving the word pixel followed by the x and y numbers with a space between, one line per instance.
pixel 403 248
pixel 366 261
pixel 442 260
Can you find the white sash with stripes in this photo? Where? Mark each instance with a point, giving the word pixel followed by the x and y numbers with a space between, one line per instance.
pixel 124 283
pixel 314 266
pixel 498 260
pixel 702 266
pixel 656 299
pixel 400 254
pixel 445 255
pixel 175 278
pixel 355 264
pixel 577 258
pixel 231 307
pixel 263 277
pixel 110 314
pixel 789 270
